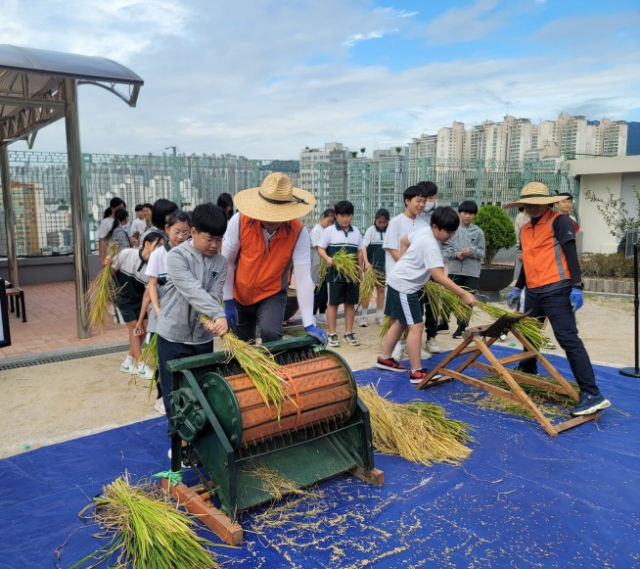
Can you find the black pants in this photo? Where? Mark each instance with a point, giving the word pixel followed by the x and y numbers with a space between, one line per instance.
pixel 168 351
pixel 320 299
pixel 430 321
pixel 470 283
pixel 269 313
pixel 556 306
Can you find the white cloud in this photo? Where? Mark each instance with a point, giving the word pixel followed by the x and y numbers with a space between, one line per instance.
pixel 394 13
pixel 352 40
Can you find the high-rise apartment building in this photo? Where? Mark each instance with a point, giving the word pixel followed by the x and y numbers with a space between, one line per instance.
pixel 29 215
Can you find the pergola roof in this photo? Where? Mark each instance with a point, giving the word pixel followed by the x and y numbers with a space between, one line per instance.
pixel 31 86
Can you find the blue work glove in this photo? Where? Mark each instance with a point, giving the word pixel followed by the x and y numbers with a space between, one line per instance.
pixel 231 313
pixel 317 333
pixel 513 300
pixel 576 299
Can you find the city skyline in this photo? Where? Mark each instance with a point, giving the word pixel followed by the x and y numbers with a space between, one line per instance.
pixel 267 79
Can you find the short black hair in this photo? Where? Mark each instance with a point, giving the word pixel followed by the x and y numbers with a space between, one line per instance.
pixel 138 207
pixel 209 218
pixel 414 191
pixel 152 237
pixel 521 208
pixel 329 212
pixel 224 200
pixel 147 205
pixel 119 217
pixel 468 206
pixel 431 188
pixel 178 216
pixel 382 212
pixel 116 202
pixel 344 207
pixel 445 217
pixel 566 195
pixel 160 211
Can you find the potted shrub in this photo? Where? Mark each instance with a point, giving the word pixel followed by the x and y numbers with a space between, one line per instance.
pixel 499 233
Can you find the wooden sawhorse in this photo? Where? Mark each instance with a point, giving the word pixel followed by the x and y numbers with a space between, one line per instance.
pixel 477 342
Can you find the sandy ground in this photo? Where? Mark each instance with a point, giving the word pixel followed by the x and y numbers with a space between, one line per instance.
pixel 46 404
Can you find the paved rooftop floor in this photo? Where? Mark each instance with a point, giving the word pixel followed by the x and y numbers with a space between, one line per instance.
pixel 51 323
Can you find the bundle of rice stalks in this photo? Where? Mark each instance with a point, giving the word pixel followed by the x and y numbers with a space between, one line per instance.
pixel 260 367
pixel 347 265
pixel 103 292
pixel 149 357
pixel 386 324
pixel 418 432
pixel 443 303
pixel 273 483
pixel 530 328
pixel 370 282
pixel 322 272
pixel 145 529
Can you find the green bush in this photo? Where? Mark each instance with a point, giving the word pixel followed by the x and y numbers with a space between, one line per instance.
pixel 499 232
pixel 603 266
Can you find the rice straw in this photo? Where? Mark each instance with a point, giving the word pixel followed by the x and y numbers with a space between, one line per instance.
pixel 103 292
pixel 530 328
pixel 346 264
pixel 417 431
pixel 443 303
pixel 372 280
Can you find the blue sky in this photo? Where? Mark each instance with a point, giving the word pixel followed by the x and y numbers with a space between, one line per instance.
pixel 266 78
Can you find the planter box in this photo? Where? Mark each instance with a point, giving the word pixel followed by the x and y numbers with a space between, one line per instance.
pixel 613 286
pixel 495 279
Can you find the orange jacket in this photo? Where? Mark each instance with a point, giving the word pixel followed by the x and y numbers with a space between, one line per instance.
pixel 542 256
pixel 262 272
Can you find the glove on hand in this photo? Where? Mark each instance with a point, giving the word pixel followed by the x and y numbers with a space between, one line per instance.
pixel 317 333
pixel 513 300
pixel 230 312
pixel 576 299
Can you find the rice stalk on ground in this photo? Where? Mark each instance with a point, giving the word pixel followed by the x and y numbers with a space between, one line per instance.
pixel 103 293
pixel 145 529
pixel 530 328
pixel 418 432
pixel 272 482
pixel 346 264
pixel 372 280
pixel 259 365
pixel 537 393
pixel 443 303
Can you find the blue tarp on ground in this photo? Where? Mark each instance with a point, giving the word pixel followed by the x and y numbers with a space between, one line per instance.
pixel 522 499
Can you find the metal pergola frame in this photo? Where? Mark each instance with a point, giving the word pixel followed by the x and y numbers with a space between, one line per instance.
pixel 37 88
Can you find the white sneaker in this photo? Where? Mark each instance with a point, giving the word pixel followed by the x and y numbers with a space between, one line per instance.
pixel 333 341
pixel 129 366
pixel 424 354
pixel 159 406
pixel 397 352
pixel 321 318
pixel 145 372
pixel 379 319
pixel 433 346
pixel 364 322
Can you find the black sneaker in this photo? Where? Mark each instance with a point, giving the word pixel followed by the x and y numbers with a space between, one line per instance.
pixel 589 404
pixel 457 335
pixel 390 364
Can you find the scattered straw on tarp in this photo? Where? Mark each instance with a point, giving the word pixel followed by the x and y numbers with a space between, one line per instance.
pixel 530 328
pixel 103 293
pixel 272 482
pixel 144 529
pixel 417 431
pixel 346 264
pixel 372 280
pixel 259 365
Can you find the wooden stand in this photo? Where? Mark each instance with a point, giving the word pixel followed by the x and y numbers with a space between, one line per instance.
pixel 477 342
pixel 196 500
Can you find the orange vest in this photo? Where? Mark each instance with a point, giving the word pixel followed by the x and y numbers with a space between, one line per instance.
pixel 262 272
pixel 542 256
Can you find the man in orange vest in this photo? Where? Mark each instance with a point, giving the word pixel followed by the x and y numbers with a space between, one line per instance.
pixel 264 243
pixel 551 273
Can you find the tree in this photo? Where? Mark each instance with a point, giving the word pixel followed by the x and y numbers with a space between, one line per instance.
pixel 615 213
pixel 353 154
pixel 398 149
pixel 363 150
pixel 499 232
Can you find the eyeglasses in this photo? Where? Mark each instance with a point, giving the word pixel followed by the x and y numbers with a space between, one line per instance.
pixel 184 234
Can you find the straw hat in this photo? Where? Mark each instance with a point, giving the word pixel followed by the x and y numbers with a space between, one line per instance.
pixel 275 200
pixel 535 193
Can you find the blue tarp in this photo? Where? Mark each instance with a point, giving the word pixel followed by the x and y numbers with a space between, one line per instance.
pixel 522 499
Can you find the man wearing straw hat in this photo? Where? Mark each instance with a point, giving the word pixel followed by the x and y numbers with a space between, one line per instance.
pixel 551 273
pixel 264 240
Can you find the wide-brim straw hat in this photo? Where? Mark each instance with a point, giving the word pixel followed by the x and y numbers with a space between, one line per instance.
pixel 535 193
pixel 275 200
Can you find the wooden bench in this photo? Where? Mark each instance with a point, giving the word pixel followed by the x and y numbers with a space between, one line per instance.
pixel 19 304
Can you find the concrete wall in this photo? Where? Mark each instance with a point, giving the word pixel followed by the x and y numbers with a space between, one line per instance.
pixel 596 233
pixel 39 270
